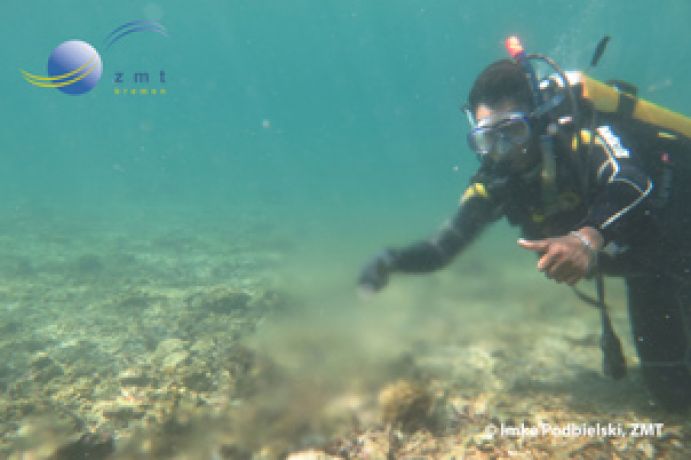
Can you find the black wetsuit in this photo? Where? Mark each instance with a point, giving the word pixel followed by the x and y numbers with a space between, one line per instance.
pixel 606 184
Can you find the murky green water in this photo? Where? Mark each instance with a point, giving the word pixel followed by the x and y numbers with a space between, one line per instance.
pixel 294 140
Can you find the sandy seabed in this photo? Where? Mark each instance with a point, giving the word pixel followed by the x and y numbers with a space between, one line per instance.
pixel 206 343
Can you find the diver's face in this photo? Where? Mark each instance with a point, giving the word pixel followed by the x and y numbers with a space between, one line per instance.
pixel 508 135
pixel 484 111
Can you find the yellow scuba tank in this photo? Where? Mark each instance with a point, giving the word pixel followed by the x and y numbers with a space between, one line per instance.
pixel 610 100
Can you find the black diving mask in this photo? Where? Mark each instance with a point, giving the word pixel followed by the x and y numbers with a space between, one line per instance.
pixel 500 134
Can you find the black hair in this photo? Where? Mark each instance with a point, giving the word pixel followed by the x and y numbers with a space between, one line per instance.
pixel 501 81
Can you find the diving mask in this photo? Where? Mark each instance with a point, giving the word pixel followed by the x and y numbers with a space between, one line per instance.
pixel 500 134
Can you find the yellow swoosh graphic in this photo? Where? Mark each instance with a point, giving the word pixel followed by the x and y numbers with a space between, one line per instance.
pixel 46 82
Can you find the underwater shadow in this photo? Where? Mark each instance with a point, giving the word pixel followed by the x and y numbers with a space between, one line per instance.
pixel 587 391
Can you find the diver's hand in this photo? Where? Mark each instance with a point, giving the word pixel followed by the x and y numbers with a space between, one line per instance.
pixel 375 275
pixel 568 258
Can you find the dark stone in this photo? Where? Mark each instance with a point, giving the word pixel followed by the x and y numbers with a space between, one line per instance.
pixel 31 343
pixel 91 446
pixel 89 264
pixel 137 380
pixel 135 301
pixel 240 360
pixel 124 413
pixel 44 368
pixel 233 452
pixel 85 359
pixel 5 377
pixel 24 267
pixel 10 327
pixel 49 373
pixel 230 302
pixel 198 381
pixel 42 361
pixel 223 302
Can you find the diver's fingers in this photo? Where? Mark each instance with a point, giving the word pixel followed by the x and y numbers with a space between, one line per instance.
pixel 534 245
pixel 545 263
pixel 562 271
pixel 556 267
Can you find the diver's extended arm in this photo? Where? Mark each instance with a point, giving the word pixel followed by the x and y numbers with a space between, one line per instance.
pixel 435 253
pixel 475 212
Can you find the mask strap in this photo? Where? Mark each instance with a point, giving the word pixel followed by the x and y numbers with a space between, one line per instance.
pixel 469 114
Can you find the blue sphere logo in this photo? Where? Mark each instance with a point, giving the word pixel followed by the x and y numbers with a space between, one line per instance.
pixel 75 67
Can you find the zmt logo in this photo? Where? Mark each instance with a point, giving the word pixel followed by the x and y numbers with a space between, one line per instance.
pixel 139 78
pixel 75 67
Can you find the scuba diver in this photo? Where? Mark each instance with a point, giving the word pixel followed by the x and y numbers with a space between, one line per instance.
pixel 597 180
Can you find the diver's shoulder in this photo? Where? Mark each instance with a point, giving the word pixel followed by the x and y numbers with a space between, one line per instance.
pixel 602 137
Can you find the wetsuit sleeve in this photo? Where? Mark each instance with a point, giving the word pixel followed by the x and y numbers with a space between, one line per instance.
pixel 621 186
pixel 475 212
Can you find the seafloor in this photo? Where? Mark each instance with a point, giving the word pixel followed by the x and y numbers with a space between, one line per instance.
pixel 194 338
